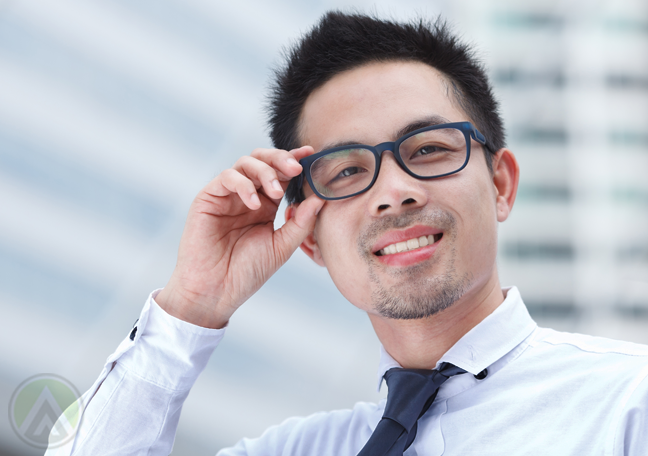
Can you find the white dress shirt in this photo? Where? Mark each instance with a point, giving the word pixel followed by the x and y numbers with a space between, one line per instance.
pixel 545 393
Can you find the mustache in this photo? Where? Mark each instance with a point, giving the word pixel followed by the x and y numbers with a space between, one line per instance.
pixel 437 218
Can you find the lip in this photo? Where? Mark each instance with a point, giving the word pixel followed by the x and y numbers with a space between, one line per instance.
pixel 410 257
pixel 400 236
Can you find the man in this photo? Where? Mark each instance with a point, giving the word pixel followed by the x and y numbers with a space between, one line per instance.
pixel 392 154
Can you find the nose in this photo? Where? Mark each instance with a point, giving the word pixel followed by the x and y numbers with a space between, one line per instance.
pixel 395 191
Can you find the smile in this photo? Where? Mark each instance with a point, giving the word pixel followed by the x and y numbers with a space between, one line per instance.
pixel 410 244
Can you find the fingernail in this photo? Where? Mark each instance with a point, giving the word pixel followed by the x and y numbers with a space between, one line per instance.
pixel 292 161
pixel 317 211
pixel 255 199
pixel 276 185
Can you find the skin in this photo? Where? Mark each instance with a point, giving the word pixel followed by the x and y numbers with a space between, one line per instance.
pixel 228 230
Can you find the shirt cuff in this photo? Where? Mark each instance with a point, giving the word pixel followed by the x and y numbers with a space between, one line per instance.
pixel 164 350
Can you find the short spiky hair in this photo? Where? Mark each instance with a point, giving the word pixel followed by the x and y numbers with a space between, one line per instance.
pixel 340 42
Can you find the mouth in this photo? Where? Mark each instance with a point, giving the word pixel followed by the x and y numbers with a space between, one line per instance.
pixel 401 243
pixel 409 244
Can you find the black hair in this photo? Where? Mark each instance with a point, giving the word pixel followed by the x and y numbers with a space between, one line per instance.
pixel 341 42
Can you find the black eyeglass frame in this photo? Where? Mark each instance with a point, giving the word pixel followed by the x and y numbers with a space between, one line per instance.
pixel 469 131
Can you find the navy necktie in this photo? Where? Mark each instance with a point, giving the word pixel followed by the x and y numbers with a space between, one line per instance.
pixel 411 392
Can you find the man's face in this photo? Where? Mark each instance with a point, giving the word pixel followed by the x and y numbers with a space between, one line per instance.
pixel 370 105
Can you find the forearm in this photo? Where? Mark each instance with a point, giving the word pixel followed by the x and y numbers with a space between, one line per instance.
pixel 134 406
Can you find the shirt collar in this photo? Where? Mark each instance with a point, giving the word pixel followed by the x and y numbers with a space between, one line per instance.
pixel 495 336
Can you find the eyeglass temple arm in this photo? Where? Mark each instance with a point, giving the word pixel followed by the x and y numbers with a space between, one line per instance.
pixel 477 136
pixel 300 184
pixel 480 138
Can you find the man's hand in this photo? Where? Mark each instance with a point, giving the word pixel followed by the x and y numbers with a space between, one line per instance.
pixel 229 247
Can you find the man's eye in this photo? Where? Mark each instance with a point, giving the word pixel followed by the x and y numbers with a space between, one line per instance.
pixel 348 172
pixel 427 150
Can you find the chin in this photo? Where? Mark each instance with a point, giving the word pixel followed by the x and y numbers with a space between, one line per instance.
pixel 420 298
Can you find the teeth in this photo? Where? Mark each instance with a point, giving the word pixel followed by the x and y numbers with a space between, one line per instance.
pixel 408 245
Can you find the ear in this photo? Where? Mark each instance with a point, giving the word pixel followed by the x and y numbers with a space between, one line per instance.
pixel 309 246
pixel 506 174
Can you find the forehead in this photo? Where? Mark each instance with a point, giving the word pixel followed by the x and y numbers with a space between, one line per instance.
pixel 370 104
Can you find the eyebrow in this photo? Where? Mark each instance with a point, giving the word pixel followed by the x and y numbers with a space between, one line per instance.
pixel 421 123
pixel 426 122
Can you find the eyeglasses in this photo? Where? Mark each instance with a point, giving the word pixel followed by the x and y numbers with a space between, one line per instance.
pixel 426 153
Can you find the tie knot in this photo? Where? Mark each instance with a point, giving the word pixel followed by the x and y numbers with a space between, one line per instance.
pixel 412 391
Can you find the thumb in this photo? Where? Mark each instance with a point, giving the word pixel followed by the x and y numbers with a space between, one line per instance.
pixel 297 228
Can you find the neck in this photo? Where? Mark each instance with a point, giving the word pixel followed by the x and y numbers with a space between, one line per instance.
pixel 419 344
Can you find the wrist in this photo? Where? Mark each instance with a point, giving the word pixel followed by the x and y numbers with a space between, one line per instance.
pixel 191 309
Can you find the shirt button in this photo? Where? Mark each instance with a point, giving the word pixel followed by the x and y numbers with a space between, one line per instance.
pixel 133 331
pixel 482 375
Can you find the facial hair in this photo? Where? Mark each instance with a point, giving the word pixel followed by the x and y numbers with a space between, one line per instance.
pixel 417 293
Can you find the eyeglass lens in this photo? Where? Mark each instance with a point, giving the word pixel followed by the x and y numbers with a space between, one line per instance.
pixel 426 154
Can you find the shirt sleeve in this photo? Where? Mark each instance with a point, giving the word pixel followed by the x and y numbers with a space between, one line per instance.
pixel 134 406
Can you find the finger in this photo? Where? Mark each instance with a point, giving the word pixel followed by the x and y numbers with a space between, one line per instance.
pixel 285 163
pixel 261 174
pixel 295 230
pixel 301 152
pixel 231 181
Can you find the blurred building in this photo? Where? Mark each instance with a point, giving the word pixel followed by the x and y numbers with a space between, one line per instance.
pixel 573 81
pixel 114 114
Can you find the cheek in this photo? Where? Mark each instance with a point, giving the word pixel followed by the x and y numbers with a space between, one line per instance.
pixel 330 238
pixel 480 229
pixel 336 236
